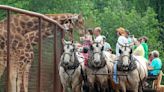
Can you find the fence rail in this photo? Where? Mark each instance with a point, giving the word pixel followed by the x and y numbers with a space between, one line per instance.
pixel 17 10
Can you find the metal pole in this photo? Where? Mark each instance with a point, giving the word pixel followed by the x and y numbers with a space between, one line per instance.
pixel 40 57
pixel 62 48
pixel 8 50
pixel 62 38
pixel 55 58
pixel 57 85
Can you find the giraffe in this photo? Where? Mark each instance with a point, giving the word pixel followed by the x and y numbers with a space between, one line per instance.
pixel 16 44
pixel 24 28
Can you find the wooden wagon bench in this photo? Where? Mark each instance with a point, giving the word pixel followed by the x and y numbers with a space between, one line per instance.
pixel 155 83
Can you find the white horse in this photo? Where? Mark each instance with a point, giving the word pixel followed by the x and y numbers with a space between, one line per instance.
pixel 69 69
pixel 132 70
pixel 96 65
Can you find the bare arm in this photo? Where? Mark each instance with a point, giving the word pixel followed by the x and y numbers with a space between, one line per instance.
pixel 150 68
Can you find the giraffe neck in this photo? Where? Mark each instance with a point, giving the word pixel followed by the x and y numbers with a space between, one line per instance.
pixel 24 23
pixel 27 26
pixel 33 37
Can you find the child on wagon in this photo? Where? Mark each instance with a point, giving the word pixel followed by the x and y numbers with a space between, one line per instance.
pixel 87 42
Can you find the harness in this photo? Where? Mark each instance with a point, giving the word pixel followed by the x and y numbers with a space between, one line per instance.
pixel 132 64
pixel 73 67
pixel 69 67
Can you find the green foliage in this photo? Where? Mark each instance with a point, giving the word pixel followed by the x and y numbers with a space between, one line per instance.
pixel 140 17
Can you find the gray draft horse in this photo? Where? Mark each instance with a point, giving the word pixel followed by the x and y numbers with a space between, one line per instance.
pixel 96 65
pixel 134 77
pixel 69 69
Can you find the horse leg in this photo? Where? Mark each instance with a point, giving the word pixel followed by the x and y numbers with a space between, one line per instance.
pixel 136 89
pixel 123 86
pixel 85 87
pixel 26 77
pixel 64 89
pixel 91 88
pixel 103 80
pixel 77 88
pixel 140 89
pixel 91 83
pixel 97 88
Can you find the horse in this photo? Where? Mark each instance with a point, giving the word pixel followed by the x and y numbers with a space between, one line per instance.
pixel 96 65
pixel 132 70
pixel 69 69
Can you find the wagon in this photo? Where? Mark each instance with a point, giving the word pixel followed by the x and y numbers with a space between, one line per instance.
pixel 154 83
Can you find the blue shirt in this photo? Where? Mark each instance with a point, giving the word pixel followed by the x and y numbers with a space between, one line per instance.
pixel 157 65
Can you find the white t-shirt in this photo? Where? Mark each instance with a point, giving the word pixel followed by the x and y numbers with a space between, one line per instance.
pixel 121 40
pixel 99 39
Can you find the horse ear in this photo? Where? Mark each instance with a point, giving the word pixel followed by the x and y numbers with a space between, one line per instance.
pixel 102 48
pixel 91 47
pixel 131 51
pixel 120 51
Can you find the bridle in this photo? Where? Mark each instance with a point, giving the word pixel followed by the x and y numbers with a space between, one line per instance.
pixel 93 53
pixel 90 62
pixel 122 56
pixel 100 53
pixel 129 56
pixel 73 64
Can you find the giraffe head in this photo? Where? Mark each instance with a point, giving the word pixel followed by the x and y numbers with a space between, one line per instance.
pixel 69 21
pixel 77 21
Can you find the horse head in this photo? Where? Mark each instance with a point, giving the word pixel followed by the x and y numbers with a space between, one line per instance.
pixel 125 55
pixel 96 54
pixel 68 55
